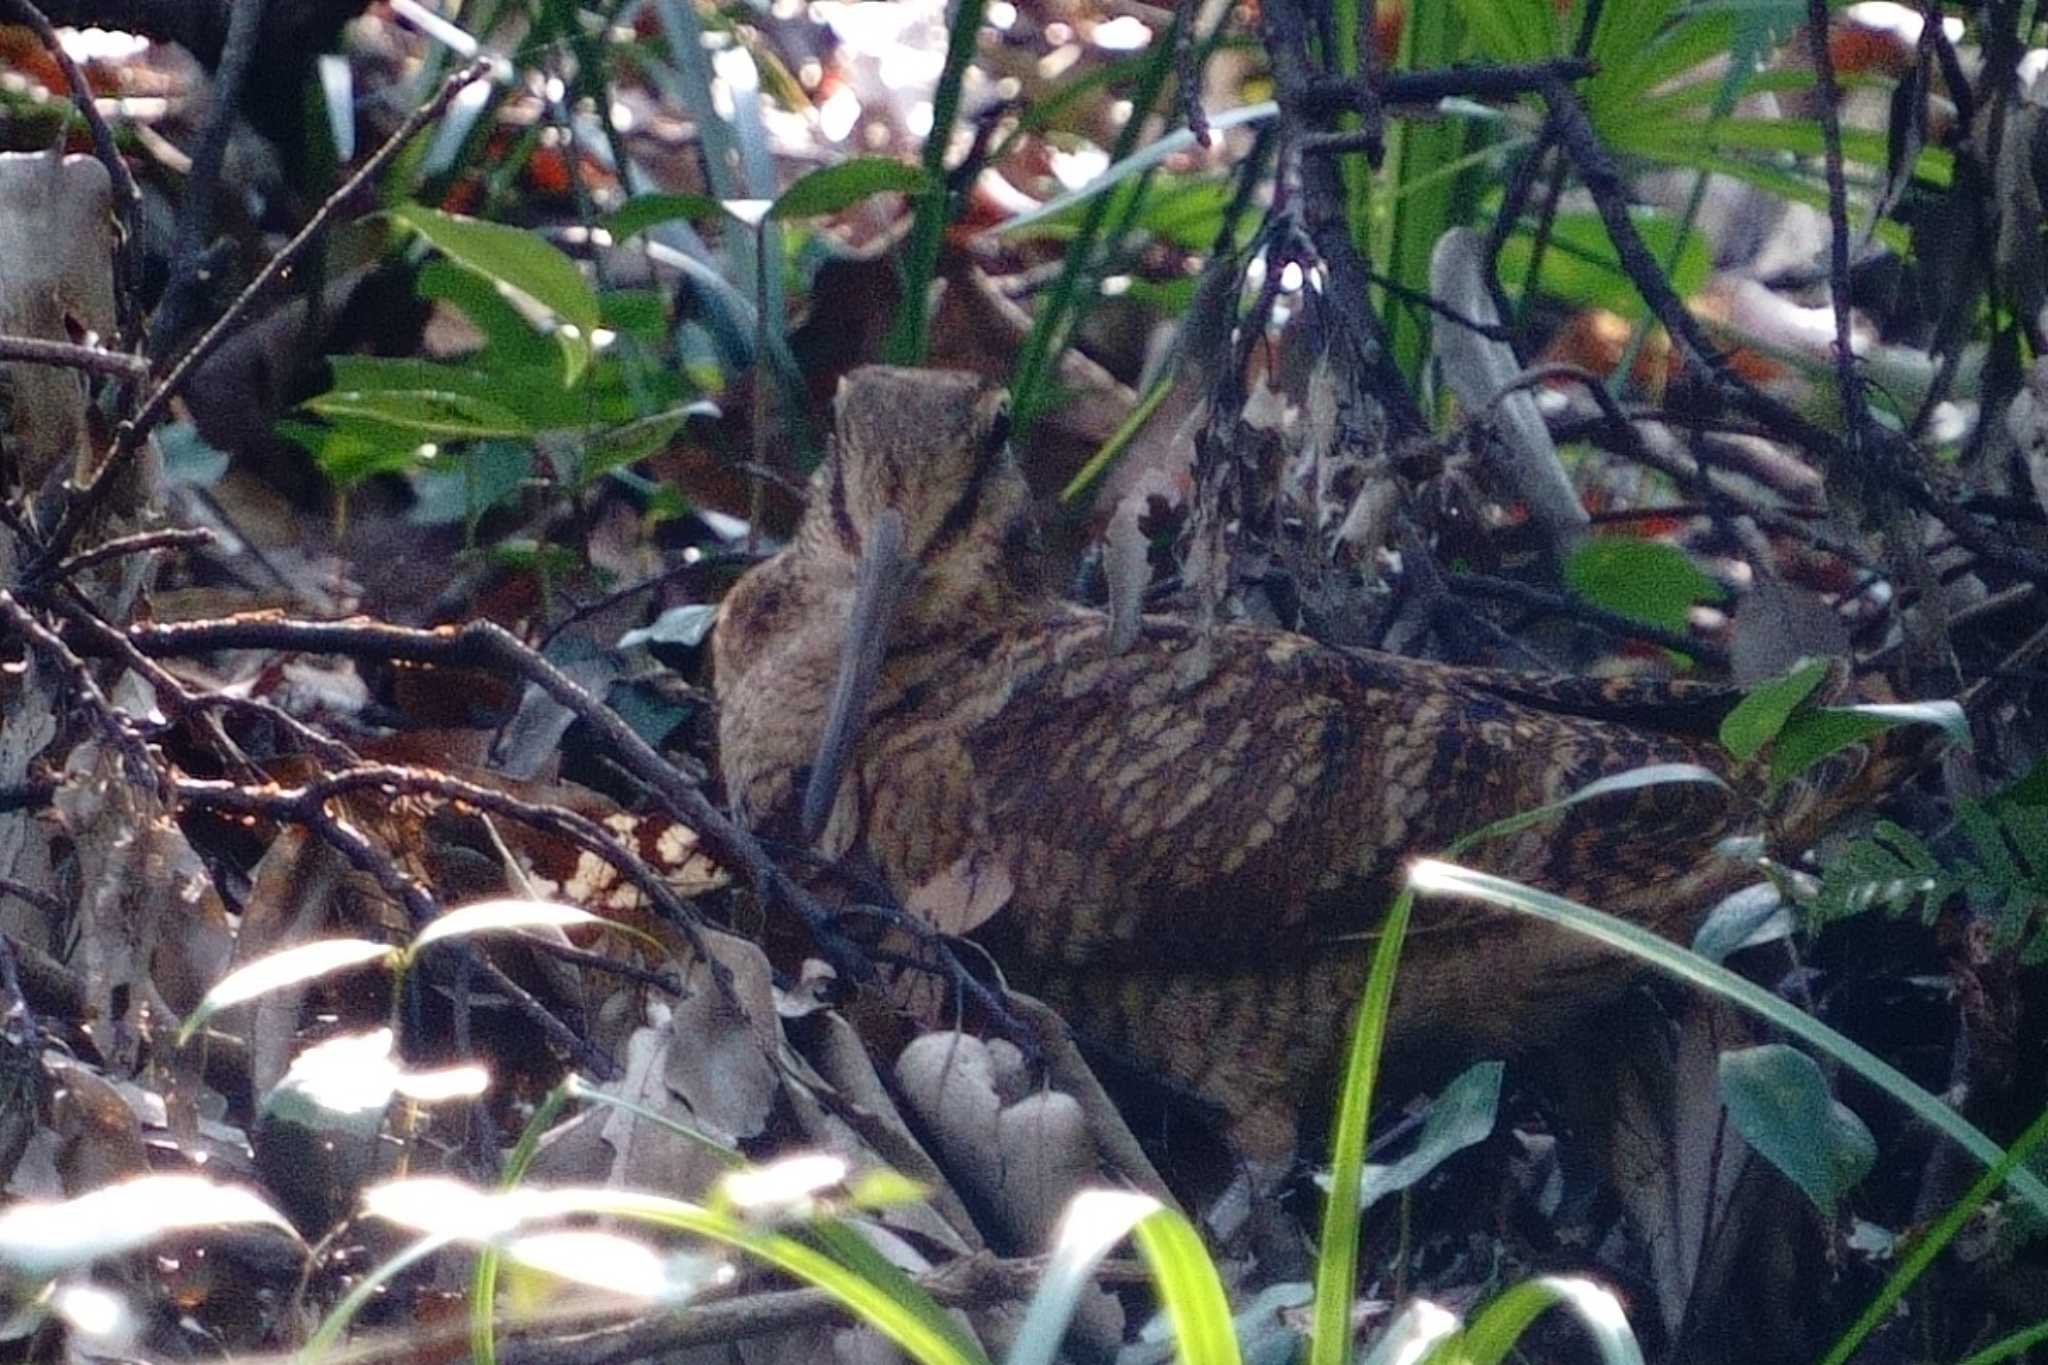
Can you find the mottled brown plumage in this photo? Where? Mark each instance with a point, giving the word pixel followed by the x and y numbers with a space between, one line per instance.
pixel 1184 845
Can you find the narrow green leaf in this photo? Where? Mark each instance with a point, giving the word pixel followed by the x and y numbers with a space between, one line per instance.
pixel 1513 30
pixel 1188 1285
pixel 1440 878
pixel 1094 1223
pixel 830 189
pixel 1634 779
pixel 1152 154
pixel 1811 735
pixel 1928 1246
pixel 644 211
pixel 1337 1243
pixel 1498 1328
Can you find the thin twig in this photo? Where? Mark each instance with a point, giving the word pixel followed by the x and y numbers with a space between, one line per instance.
pixel 195 210
pixel 483 644
pixel 171 538
pixel 92 359
pixel 129 435
pixel 1855 403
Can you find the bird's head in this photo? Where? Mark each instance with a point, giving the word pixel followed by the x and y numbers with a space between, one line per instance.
pixel 922 498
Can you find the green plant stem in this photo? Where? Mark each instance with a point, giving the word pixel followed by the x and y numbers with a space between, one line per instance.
pixel 1048 330
pixel 908 337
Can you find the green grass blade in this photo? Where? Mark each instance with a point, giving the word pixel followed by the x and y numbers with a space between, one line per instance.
pixel 1337 1258
pixel 483 1285
pixel 1930 1244
pixel 1499 1326
pixel 1433 877
pixel 1189 1287
pixel 2005 1349
pixel 846 1245
pixel 1181 1269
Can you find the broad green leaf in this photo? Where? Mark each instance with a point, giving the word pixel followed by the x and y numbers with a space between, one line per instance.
pixel 1433 877
pixel 511 256
pixel 306 962
pixel 509 335
pixel 458 492
pixel 1811 735
pixel 406 374
pixel 355 449
pixel 433 414
pixel 1759 717
pixel 519 260
pixel 618 446
pixel 1645 580
pixel 1778 1100
pixel 644 211
pixel 1461 1116
pixel 829 189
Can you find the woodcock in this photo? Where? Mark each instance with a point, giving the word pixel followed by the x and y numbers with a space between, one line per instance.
pixel 1183 845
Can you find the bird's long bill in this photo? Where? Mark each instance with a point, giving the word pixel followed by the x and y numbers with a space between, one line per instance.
pixel 885 571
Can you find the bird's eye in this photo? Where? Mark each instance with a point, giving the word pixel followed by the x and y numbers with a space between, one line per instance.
pixel 996 431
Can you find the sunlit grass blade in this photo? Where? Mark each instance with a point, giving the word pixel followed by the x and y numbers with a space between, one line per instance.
pixel 1438 878
pixel 1181 1269
pixel 275 971
pixel 483 1285
pixel 39 1241
pixel 1144 159
pixel 1499 1326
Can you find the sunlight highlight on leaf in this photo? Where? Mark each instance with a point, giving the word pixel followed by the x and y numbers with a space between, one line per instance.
pixel 38 1241
pixel 489 916
pixel 602 1260
pixel 783 1189
pixel 307 962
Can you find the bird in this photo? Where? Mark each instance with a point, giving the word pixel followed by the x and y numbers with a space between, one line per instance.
pixel 1184 844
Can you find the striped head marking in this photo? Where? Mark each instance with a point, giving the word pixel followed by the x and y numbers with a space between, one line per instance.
pixel 931 446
